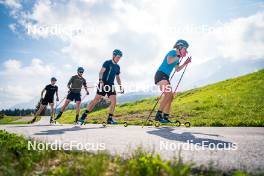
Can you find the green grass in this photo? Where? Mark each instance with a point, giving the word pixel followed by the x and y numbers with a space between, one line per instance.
pixel 10 120
pixel 16 159
pixel 233 102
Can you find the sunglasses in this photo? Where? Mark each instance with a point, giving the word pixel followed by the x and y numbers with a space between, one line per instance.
pixel 185 49
pixel 80 72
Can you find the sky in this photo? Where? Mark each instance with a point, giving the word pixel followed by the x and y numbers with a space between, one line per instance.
pixel 40 39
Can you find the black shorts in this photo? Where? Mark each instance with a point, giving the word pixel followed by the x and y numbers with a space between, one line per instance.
pixel 45 101
pixel 106 90
pixel 74 96
pixel 159 76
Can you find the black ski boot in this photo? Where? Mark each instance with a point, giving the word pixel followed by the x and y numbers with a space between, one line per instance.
pixel 83 117
pixel 166 117
pixel 76 119
pixel 110 120
pixel 58 116
pixel 159 118
pixel 33 120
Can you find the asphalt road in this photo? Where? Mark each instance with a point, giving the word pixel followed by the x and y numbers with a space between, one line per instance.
pixel 226 147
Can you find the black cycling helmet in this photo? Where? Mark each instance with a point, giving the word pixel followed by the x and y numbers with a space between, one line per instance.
pixel 53 79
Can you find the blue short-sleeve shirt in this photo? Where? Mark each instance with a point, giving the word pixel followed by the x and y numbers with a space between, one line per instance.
pixel 167 68
pixel 111 70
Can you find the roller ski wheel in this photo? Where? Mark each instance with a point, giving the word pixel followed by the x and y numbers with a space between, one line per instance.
pixel 177 123
pixel 187 124
pixel 150 122
pixel 125 124
pixel 157 124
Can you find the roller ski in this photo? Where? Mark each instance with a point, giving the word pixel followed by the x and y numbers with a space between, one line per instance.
pixel 110 122
pixel 164 121
pixel 176 123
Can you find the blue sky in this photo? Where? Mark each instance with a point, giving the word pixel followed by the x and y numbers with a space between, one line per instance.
pixel 226 40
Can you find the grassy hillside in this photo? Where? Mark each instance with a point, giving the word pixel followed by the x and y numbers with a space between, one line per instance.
pixel 233 102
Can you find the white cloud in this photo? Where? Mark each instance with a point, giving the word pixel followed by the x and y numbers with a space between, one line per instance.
pixel 22 83
pixel 14 4
pixel 144 30
pixel 12 27
pixel 241 38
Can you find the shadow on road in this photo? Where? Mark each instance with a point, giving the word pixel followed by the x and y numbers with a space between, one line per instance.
pixel 188 137
pixel 63 130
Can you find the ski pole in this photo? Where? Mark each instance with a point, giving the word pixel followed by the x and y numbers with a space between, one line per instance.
pixel 54 113
pixel 60 102
pixel 180 79
pixel 83 97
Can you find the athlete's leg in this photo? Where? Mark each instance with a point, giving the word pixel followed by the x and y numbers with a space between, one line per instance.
pixel 78 103
pixel 166 109
pixel 113 104
pixel 90 106
pixel 111 109
pixel 66 103
pixel 168 95
pixel 52 110
pixel 41 108
pixel 165 87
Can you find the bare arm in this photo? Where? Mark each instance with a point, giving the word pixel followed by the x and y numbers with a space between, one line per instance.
pixel 42 92
pixel 57 94
pixel 69 83
pixel 179 68
pixel 118 80
pixel 85 87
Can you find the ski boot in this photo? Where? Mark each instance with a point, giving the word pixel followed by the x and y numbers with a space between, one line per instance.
pixel 52 121
pixel 33 120
pixel 82 119
pixel 111 121
pixel 76 120
pixel 166 118
pixel 159 120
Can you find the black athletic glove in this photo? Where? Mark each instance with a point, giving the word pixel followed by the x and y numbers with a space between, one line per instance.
pixel 101 83
pixel 122 91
